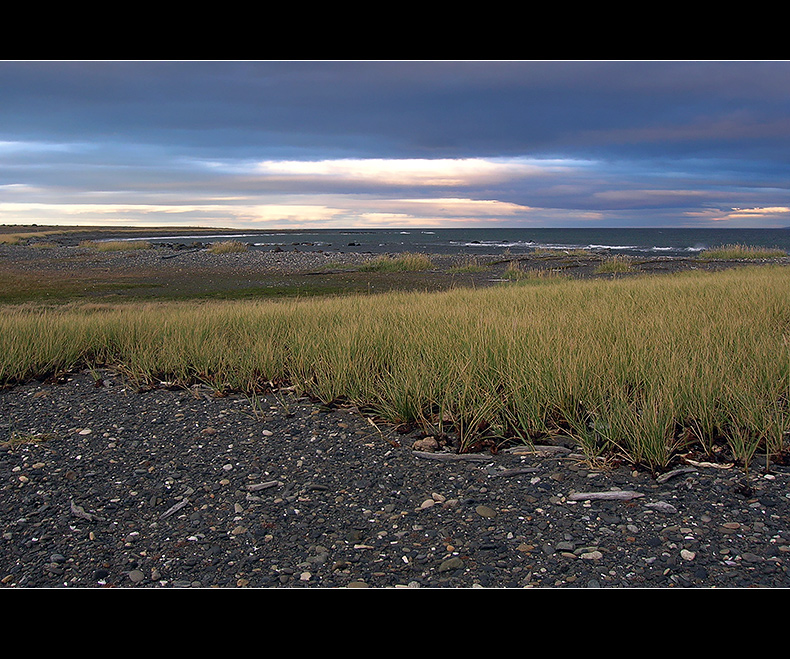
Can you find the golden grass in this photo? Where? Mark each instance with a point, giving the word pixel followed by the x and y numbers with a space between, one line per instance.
pixel 13 237
pixel 228 247
pixel 730 252
pixel 635 368
pixel 116 245
pixel 614 264
pixel 401 263
pixel 516 271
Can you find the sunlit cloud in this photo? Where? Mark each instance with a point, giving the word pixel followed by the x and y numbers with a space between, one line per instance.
pixel 421 172
pixel 329 211
pixel 418 143
pixel 13 147
pixel 771 210
pixel 754 217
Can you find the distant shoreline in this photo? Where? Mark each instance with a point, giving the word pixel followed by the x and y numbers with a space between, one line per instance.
pixel 54 268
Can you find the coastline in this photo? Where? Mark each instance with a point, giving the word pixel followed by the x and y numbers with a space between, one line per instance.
pixel 55 266
pixel 110 485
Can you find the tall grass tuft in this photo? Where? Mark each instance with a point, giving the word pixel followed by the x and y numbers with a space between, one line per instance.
pixel 401 263
pixel 516 271
pixel 228 247
pixel 116 245
pixel 614 264
pixel 641 369
pixel 741 252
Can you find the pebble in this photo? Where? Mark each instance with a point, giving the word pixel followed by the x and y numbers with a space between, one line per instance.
pixel 332 505
pixel 485 511
pixel 136 576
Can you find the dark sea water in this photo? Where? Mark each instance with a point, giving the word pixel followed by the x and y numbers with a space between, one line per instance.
pixel 667 242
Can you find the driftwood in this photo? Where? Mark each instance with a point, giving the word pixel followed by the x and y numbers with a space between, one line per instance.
pixel 663 478
pixel 540 449
pixel 263 486
pixel 175 508
pixel 613 495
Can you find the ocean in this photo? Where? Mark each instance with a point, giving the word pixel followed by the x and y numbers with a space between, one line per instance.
pixel 666 241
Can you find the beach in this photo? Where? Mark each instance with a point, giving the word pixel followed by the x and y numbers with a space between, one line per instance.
pixel 58 266
pixel 159 488
pixel 110 483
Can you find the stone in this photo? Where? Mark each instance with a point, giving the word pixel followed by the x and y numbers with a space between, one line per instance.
pixel 591 555
pixel 426 444
pixel 136 576
pixel 454 563
pixel 485 511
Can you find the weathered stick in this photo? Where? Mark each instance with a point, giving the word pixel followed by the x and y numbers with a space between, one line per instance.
pixel 614 495
pixel 175 508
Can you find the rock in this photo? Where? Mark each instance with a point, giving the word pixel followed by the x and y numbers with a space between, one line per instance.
pixel 426 444
pixel 594 555
pixel 485 511
pixel 662 506
pixel 454 563
pixel 136 576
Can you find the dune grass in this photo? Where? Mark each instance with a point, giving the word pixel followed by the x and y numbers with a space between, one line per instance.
pixel 614 264
pixel 741 252
pixel 637 369
pixel 228 247
pixel 15 237
pixel 116 245
pixel 516 271
pixel 401 263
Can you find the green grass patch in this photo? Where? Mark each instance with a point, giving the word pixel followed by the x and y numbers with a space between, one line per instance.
pixel 741 252
pixel 23 287
pixel 18 439
pixel 638 369
pixel 402 263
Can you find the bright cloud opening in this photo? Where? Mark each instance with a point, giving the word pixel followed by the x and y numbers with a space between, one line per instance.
pixel 446 172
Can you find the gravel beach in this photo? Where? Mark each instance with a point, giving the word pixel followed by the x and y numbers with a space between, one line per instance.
pixel 111 486
pixel 107 485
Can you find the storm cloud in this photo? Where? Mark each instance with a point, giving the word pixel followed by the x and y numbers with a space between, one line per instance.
pixel 404 143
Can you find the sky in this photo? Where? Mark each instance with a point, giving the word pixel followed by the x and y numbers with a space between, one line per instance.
pixel 395 144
